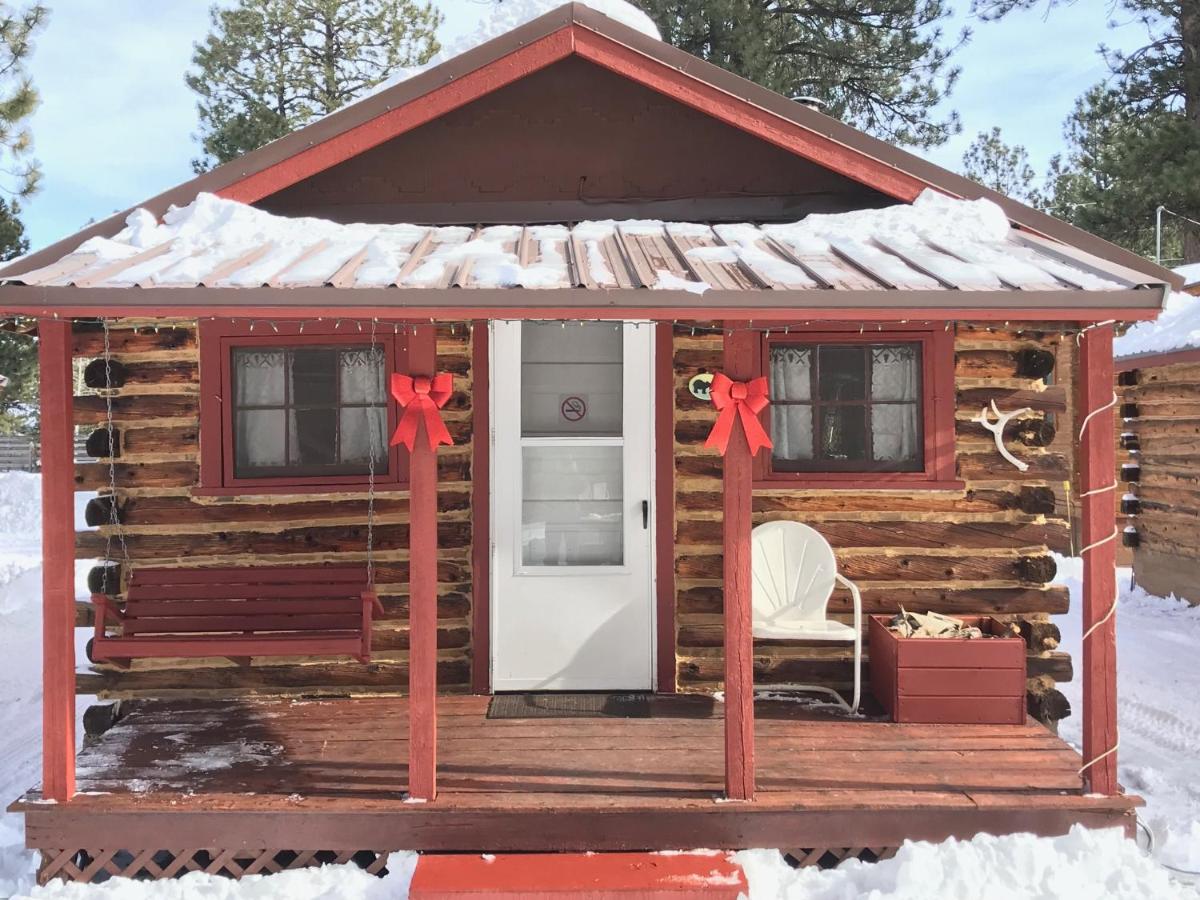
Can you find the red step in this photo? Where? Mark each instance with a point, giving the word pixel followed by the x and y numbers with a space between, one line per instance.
pixel 597 876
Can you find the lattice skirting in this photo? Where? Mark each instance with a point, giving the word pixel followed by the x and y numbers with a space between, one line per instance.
pixel 828 857
pixel 95 866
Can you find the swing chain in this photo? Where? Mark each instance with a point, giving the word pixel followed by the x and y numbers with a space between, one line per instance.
pixel 114 516
pixel 371 445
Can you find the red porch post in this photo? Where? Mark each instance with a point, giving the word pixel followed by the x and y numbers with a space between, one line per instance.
pixel 1096 456
pixel 58 560
pixel 738 476
pixel 422 589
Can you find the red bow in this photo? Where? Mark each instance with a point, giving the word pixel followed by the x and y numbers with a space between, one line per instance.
pixel 422 397
pixel 743 400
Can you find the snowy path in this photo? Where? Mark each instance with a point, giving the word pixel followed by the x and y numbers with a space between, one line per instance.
pixel 1158 695
pixel 1160 707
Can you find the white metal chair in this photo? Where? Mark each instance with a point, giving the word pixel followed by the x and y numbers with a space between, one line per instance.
pixel 794 573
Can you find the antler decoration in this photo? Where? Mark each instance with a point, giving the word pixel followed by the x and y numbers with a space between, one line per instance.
pixel 997 429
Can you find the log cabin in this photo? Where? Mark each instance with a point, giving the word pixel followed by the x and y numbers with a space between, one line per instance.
pixel 409 412
pixel 1158 380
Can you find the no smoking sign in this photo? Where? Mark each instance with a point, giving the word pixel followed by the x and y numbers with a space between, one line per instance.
pixel 573 408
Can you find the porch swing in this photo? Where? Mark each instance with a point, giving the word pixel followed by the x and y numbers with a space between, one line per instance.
pixel 236 612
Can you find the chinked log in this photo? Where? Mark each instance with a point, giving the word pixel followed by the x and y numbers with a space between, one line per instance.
pixel 1040 635
pixel 103 443
pixel 966 535
pixel 1032 499
pixel 1055 599
pixel 185 514
pixel 1152 391
pixel 1052 399
pixel 449 637
pixel 1032 432
pixel 90 409
pixel 800 665
pixel 97 476
pixel 317 679
pixel 1034 363
pixel 100 374
pixel 88 339
pixel 1047 705
pixel 989 466
pixel 307 539
pixel 100 717
pixel 451 605
pixel 905 567
pixel 161 439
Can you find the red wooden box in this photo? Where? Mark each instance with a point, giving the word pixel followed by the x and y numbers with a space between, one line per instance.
pixel 948 680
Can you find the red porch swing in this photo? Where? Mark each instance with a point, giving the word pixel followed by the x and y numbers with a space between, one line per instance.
pixel 237 612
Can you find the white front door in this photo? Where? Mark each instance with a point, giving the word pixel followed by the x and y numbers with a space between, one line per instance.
pixel 572 527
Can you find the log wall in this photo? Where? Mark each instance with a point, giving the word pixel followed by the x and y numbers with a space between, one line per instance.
pixel 167 522
pixel 1162 413
pixel 984 549
pixel 981 549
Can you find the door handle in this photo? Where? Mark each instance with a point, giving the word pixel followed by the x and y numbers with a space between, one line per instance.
pixel 645 513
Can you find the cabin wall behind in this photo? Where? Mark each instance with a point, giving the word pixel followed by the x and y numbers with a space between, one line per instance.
pixel 1167 426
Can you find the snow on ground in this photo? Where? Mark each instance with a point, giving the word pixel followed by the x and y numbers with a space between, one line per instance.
pixel 1160 704
pixel 1158 696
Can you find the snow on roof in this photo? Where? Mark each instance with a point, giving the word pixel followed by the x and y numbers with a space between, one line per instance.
pixel 504 17
pixel 934 243
pixel 1190 273
pixel 1177 328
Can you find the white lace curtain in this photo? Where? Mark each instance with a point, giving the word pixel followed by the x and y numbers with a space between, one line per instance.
pixel 895 394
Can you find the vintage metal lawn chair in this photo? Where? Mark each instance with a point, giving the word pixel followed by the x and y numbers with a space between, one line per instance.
pixel 794 572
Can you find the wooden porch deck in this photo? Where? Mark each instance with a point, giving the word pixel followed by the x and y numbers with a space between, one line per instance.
pixel 311 775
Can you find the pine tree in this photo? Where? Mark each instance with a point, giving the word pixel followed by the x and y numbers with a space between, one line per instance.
pixel 1001 167
pixel 881 65
pixel 17 97
pixel 21 173
pixel 268 67
pixel 18 353
pixel 1134 144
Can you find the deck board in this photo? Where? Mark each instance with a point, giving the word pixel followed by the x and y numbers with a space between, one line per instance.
pixel 334 771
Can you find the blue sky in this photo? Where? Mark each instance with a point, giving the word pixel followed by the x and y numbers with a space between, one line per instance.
pixel 116 121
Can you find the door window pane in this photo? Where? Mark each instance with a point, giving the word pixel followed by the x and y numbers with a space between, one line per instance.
pixel 572 506
pixel 571 379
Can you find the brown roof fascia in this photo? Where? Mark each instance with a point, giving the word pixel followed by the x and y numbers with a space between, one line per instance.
pixel 1158 358
pixel 778 305
pixel 687 64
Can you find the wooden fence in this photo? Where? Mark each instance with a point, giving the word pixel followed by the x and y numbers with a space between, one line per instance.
pixel 22 453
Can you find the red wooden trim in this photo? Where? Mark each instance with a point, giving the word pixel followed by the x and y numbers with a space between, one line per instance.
pixel 339 148
pixel 58 560
pixel 937 410
pixel 422 591
pixel 664 506
pixel 217 339
pixel 738 470
pixel 1153 360
pixel 308 303
pixel 255 575
pixel 481 510
pixel 1096 461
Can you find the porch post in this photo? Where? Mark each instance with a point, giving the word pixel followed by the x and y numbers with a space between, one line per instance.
pixel 422 590
pixel 1096 462
pixel 739 643
pixel 58 559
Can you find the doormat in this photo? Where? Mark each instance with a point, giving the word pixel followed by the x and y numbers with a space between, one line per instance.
pixel 569 706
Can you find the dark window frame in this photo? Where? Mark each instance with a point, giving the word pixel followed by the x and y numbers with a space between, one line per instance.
pixel 218 339
pixel 938 471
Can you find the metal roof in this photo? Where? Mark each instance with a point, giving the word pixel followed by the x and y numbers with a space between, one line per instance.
pixel 591 255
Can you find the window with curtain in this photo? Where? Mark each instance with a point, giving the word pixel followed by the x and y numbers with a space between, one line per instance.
pixel 309 410
pixel 846 407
